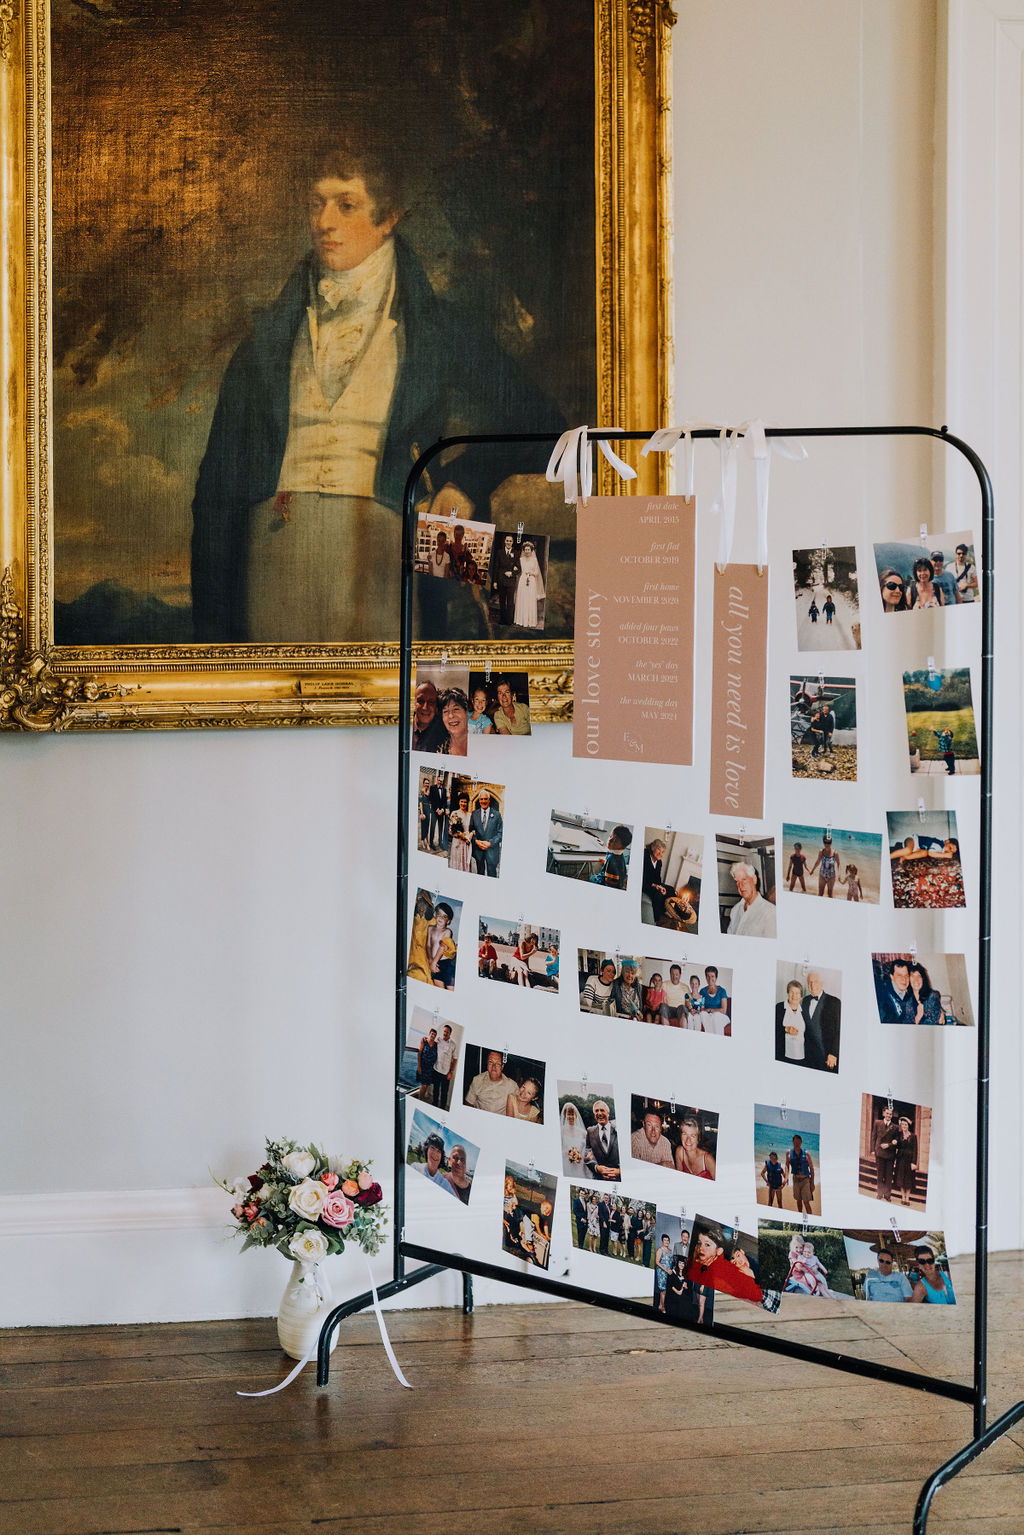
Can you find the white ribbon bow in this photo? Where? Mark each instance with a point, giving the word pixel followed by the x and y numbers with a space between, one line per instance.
pixel 571 462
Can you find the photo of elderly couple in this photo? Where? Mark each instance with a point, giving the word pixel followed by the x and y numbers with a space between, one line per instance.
pixel 500 1083
pixel 434 939
pixel 461 820
pixel 589 1135
pixel 895 1144
pixel 612 1225
pixel 670 892
pixel 803 1260
pixel 832 857
pixel 527 1213
pixel 441 1155
pixel 656 991
pixel 580 847
pixel 746 886
pixel 453 704
pixel 808 1014
pixel 519 953
pixel 674 1294
pixel 940 573
pixel 430 1057
pixel 787 1158
pixel 908 1266
pixel 673 1135
pixel 924 856
pixel 928 989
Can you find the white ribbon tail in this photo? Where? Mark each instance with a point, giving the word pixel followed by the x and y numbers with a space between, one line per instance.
pixel 571 463
pixel 762 451
pixel 292 1374
pixel 725 502
pixel 384 1332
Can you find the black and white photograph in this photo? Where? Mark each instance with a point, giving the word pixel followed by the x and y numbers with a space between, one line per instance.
pixel 441 1155
pixel 431 1057
pixel 501 1083
pixel 673 1135
pixel 527 1213
pixel 518 952
pixel 827 598
pixel 934 572
pixel 588 1132
pixel 922 989
pixel 823 727
pixel 670 889
pixel 582 847
pixel 746 885
pixel 808 1014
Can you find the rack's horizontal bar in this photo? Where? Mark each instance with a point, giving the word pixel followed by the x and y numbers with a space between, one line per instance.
pixel 360 1303
pixel 961 1459
pixel 533 1280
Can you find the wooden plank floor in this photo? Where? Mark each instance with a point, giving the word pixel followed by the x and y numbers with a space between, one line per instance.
pixel 545 1418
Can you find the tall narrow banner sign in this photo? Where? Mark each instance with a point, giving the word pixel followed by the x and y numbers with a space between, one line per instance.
pixel 739 674
pixel 633 687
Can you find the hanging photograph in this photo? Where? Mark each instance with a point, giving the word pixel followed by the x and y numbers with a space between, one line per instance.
pixel 590 1138
pixel 808 1014
pixel 674 1295
pixel 690 996
pixel 437 681
pixel 746 885
pixel 527 1213
pixel 622 1227
pixel 940 722
pixel 499 703
pixel 442 1156
pixel 924 858
pixel 475 824
pixel 935 572
pixel 581 847
pixel 787 1158
pixel 833 862
pixel 823 727
pixel 520 953
pixel 827 598
pixel 454 549
pixel 917 989
pixel 895 1142
pixel 517 580
pixel 725 1259
pixel 501 1083
pixel 804 1260
pixel 670 892
pixel 434 941
pixel 430 1057
pixel 911 1266
pixel 673 1135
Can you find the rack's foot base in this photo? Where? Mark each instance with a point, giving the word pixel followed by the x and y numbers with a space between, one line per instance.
pixel 360 1303
pixel 959 1461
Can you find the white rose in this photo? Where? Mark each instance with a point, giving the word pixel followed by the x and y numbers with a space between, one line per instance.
pixel 308 1246
pixel 299 1163
pixel 307 1199
pixel 241 1191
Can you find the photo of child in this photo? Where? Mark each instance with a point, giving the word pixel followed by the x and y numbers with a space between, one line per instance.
pixel 804 1260
pixel 527 1213
pixel 924 858
pixel 827 602
pixel 940 722
pixel 580 847
pixel 839 864
pixel 434 940
pixel 787 1158
pixel 519 953
pixel 499 704
pixel 823 727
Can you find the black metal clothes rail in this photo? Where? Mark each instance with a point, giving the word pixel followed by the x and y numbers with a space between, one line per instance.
pixel 435 1261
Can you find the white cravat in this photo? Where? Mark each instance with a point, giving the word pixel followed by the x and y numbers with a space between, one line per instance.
pixel 344 314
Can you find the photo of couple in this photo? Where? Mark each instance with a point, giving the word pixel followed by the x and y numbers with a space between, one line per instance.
pixel 656 991
pixel 580 847
pixel 527 1213
pixel 430 1057
pixel 808 1013
pixel 924 858
pixel 787 1158
pixel 804 1260
pixel 434 940
pixel 451 705
pixel 461 821
pixel 928 989
pixel 670 891
pixel 443 1157
pixel 673 1135
pixel 823 727
pixel 912 1266
pixel 895 1143
pixel 589 1136
pixel 940 722
pixel 940 573
pixel 839 864
pixel 746 886
pixel 519 953
pixel 612 1225
pixel 500 1083
pixel 674 1295
pixel 518 579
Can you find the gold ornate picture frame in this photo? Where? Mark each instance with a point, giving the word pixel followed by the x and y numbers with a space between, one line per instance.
pixel 54 343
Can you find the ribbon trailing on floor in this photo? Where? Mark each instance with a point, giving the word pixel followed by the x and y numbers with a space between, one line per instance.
pixel 294 1373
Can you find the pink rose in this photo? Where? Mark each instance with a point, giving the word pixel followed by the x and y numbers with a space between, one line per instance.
pixel 365 1179
pixel 251 1212
pixel 337 1210
pixel 330 1179
pixel 371 1196
pixel 236 1211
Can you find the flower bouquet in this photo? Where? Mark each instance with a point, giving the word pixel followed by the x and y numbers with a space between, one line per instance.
pixel 307 1206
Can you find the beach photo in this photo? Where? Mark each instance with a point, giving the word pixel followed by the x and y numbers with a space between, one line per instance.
pixel 827 598
pixel 940 722
pixel 833 862
pixel 787 1158
pixel 823 727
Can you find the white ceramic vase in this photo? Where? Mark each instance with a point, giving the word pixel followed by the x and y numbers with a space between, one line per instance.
pixel 304 1308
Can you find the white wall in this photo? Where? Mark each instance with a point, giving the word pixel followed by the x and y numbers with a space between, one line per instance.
pixel 196 932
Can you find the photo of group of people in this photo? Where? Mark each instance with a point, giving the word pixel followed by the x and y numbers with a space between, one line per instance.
pixel 895 1142
pixel 527 1213
pixel 940 722
pixel 920 989
pixel 804 1260
pixel 827 602
pixel 940 573
pixel 900 1267
pixel 673 1135
pixel 612 1225
pixel 519 953
pixel 589 1135
pixel 787 1161
pixel 670 891
pixel 808 1015
pixel 461 820
pixel 823 727
pixel 434 940
pixel 674 1294
pixel 444 1158
pixel 746 885
pixel 453 549
pixel 924 857
pixel 501 1083
pixel 834 860
pixel 658 991
pixel 452 705
pixel 518 579
pixel 580 847
pixel 430 1057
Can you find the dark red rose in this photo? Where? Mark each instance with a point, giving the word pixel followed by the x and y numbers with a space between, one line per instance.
pixel 371 1196
pixel 255 1181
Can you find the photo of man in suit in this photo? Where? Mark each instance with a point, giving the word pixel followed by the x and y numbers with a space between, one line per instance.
pixel 821 1013
pixel 485 828
pixel 603 1143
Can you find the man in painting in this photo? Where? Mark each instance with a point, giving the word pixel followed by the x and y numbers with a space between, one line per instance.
pixel 350 372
